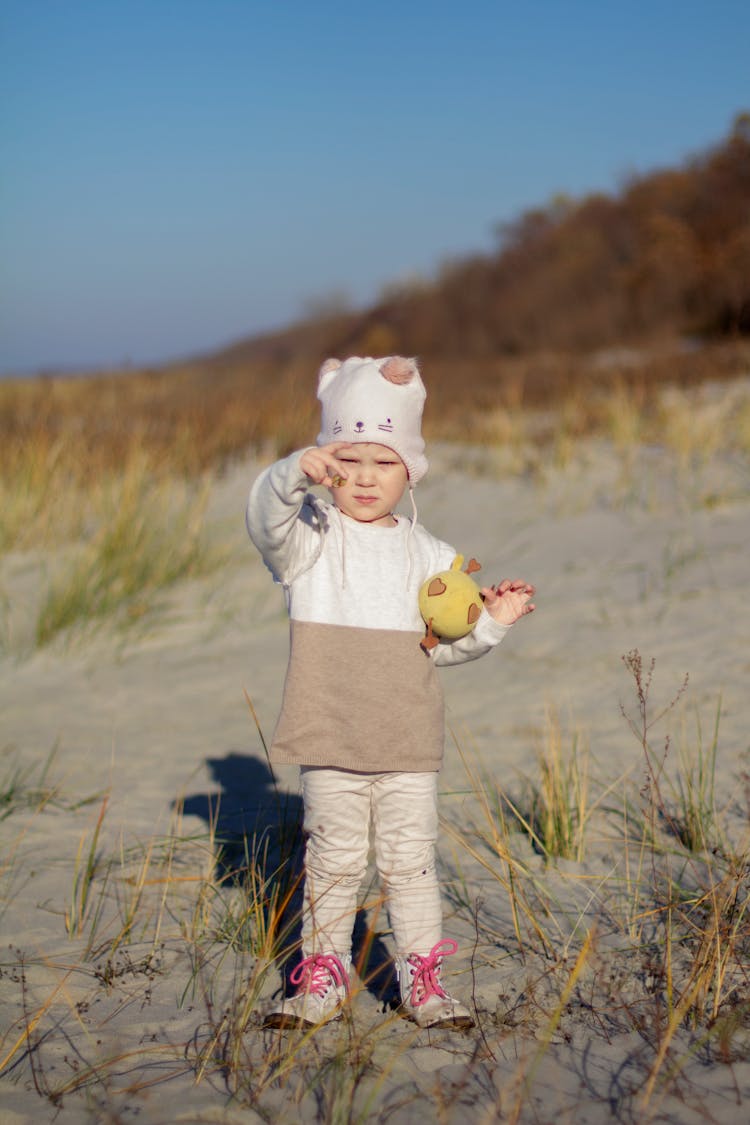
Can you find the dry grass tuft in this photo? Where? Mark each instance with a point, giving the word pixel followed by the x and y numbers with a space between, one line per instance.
pixel 655 949
pixel 646 958
pixel 146 535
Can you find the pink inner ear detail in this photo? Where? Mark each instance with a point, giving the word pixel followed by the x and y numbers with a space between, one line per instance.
pixel 328 366
pixel 398 370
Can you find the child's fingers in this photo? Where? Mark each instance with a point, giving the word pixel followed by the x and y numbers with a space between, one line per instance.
pixel 335 447
pixel 517 586
pixel 323 468
pixel 503 587
pixel 336 472
pixel 313 468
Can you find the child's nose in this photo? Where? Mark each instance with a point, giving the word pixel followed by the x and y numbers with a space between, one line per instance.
pixel 365 475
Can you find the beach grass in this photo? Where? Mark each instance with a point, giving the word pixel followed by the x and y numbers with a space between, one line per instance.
pixel 147 538
pixel 127 521
pixel 63 439
pixel 26 785
pixel 593 909
pixel 557 806
pixel 168 911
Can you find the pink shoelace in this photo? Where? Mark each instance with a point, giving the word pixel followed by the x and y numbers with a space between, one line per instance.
pixel 315 974
pixel 426 980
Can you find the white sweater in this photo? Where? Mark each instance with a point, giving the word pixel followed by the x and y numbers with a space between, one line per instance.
pixel 360 692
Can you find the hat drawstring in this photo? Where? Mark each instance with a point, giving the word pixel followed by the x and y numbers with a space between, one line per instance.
pixel 342 525
pixel 409 550
pixel 412 525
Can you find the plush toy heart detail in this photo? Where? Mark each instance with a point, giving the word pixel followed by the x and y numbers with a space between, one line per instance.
pixel 450 603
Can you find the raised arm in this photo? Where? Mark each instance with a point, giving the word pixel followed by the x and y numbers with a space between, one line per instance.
pixel 272 515
pixel 285 538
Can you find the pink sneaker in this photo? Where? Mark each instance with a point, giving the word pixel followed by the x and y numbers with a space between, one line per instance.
pixel 322 989
pixel 423 998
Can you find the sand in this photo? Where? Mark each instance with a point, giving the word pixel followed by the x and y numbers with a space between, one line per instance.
pixel 635 555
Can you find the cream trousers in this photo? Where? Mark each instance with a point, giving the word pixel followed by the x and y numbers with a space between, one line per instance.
pixel 339 808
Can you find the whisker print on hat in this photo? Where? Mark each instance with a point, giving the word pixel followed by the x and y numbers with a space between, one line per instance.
pixel 366 399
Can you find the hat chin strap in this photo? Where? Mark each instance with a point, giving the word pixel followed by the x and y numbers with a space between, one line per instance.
pixel 412 525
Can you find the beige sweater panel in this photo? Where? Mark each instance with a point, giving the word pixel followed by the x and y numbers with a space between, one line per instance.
pixel 360 693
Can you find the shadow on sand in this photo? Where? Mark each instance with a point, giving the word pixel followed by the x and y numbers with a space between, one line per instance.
pixel 258 828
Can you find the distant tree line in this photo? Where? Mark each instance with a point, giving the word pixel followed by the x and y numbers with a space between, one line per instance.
pixel 668 256
pixel 525 325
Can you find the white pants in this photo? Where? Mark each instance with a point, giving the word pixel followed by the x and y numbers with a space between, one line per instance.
pixel 339 807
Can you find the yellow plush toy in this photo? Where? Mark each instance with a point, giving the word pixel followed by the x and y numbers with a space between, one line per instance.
pixel 450 603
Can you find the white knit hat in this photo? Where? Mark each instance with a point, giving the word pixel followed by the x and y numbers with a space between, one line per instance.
pixel 378 400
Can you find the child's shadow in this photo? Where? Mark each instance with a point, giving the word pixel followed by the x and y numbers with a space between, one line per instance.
pixel 251 819
pixel 260 847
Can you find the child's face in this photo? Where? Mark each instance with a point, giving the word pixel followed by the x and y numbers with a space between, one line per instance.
pixel 376 480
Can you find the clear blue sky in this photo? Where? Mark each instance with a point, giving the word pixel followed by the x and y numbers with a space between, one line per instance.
pixel 176 174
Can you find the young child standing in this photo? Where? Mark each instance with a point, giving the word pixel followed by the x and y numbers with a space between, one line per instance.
pixel 362 712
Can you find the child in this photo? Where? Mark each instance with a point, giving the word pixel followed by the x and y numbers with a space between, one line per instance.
pixel 362 713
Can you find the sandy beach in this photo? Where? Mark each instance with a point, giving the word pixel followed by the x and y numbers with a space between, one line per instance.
pixel 133 960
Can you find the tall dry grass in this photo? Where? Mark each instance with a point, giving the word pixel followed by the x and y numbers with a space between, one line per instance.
pixel 654 949
pixel 114 473
pixel 144 534
pixel 649 960
pixel 58 433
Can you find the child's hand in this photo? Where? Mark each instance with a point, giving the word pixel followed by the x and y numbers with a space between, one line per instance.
pixel 321 466
pixel 508 601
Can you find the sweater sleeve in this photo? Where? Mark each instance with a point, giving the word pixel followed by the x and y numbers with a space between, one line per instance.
pixel 282 519
pixel 486 635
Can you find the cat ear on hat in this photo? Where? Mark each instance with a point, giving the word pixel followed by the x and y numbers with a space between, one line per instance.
pixel 327 372
pixel 398 370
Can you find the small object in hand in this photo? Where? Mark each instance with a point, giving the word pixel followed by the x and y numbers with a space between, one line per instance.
pixel 336 481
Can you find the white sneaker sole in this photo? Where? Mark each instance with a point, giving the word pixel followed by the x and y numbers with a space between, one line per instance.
pixel 453 1023
pixel 287 1021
